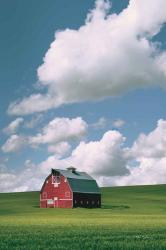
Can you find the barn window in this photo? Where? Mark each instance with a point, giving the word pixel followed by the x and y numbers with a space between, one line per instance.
pixel 81 202
pixel 50 202
pixel 67 194
pixel 44 195
pixel 55 179
pixel 87 202
pixel 75 202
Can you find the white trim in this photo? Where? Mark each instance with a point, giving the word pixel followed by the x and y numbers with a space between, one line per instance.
pixel 71 192
pixel 56 199
pixel 65 199
pixel 56 204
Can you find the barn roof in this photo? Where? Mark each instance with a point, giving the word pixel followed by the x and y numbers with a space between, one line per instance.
pixel 75 175
pixel 80 182
pixel 83 186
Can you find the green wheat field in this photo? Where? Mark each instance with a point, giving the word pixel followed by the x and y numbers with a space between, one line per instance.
pixel 130 218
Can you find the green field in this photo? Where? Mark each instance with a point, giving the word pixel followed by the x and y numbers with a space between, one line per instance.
pixel 130 218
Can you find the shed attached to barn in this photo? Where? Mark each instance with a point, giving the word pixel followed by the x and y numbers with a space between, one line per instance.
pixel 68 189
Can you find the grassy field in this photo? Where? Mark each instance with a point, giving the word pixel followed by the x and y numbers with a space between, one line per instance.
pixel 130 218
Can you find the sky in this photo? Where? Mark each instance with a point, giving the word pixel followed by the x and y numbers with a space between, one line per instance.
pixel 82 84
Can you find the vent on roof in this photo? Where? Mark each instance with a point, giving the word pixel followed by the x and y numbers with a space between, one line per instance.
pixel 72 169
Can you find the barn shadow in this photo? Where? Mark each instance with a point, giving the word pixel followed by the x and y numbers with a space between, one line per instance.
pixel 115 207
pixel 121 207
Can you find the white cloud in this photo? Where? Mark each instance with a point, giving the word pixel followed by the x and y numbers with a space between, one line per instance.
pixel 13 126
pixel 150 153
pixel 59 149
pixel 111 163
pixel 118 123
pixel 100 124
pixel 55 135
pixel 34 103
pixel 149 171
pixel 106 159
pixel 27 179
pixel 107 56
pixel 34 121
pixel 14 143
pixel 152 145
pixel 60 129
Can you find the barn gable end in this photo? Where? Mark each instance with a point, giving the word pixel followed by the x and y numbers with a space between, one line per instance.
pixel 56 193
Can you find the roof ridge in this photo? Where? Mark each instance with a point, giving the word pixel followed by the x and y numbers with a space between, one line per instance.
pixel 74 175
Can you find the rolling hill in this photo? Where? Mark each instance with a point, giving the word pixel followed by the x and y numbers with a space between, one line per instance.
pixel 130 218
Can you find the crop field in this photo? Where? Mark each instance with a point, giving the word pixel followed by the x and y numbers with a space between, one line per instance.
pixel 130 218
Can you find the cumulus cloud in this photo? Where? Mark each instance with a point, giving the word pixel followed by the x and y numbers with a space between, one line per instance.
pixel 100 124
pixel 103 157
pixel 13 126
pixel 118 123
pixel 59 149
pixel 27 179
pixel 149 171
pixel 107 56
pixel 152 145
pixel 34 103
pixel 14 143
pixel 61 129
pixel 56 135
pixel 112 164
pixel 150 154
pixel 34 121
pixel 107 159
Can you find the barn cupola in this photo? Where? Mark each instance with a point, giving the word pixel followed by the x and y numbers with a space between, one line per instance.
pixel 72 169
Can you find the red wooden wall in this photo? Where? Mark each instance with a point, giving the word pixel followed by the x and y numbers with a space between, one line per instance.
pixel 56 195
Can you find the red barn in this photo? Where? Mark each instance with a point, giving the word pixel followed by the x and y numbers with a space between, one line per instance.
pixel 69 188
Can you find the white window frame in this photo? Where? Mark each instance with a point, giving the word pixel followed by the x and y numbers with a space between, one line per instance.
pixel 56 179
pixel 50 202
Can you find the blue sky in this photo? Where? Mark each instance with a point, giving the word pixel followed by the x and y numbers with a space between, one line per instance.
pixel 27 29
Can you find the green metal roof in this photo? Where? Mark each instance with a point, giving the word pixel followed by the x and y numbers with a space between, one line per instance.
pixel 75 175
pixel 83 186
pixel 80 182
